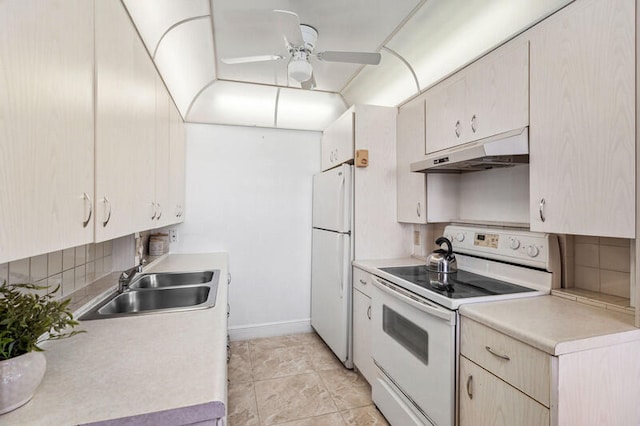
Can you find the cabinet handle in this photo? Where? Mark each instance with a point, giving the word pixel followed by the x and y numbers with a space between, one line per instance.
pixel 418 209
pixel 457 129
pixel 107 204
pixel 87 198
pixel 159 214
pixel 494 353
pixel 155 210
pixel 363 282
pixel 469 384
pixel 541 209
pixel 369 312
pixel 228 278
pixel 473 123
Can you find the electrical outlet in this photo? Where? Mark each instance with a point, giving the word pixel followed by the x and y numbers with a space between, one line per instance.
pixel 416 238
pixel 173 235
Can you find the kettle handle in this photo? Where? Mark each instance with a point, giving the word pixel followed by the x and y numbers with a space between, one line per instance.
pixel 442 240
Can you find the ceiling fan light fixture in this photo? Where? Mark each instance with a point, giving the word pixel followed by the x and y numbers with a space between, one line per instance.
pixel 300 70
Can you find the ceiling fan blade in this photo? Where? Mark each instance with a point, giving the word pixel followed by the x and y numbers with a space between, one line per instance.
pixel 290 27
pixel 366 58
pixel 309 84
pixel 249 59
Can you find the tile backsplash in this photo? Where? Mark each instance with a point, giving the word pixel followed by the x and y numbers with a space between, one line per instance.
pixel 72 268
pixel 602 265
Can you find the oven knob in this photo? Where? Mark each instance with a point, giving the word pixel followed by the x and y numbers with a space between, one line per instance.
pixel 532 251
pixel 514 244
pixel 460 237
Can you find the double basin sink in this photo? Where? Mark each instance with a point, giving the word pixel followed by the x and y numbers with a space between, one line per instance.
pixel 160 292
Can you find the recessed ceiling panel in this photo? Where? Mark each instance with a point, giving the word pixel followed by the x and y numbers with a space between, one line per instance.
pixel 308 109
pixel 185 59
pixel 154 18
pixel 445 35
pixel 240 104
pixel 393 80
pixel 249 27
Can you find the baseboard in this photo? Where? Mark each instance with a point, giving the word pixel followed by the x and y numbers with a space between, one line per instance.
pixel 255 331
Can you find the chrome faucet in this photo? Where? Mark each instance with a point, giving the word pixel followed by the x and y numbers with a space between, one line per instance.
pixel 127 276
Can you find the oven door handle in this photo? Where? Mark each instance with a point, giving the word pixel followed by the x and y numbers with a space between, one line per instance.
pixel 424 306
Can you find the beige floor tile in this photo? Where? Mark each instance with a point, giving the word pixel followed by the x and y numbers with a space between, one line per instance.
pixel 322 357
pixel 333 419
pixel 364 416
pixel 280 362
pixel 348 389
pixel 292 398
pixel 243 409
pixel 284 341
pixel 239 369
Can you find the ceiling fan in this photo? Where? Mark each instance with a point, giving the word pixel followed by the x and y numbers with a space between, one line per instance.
pixel 300 41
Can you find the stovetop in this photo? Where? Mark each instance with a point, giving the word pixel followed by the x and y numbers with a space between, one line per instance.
pixel 457 285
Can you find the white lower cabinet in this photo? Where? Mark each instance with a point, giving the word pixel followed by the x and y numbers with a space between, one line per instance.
pixel 487 400
pixel 362 325
pixel 504 381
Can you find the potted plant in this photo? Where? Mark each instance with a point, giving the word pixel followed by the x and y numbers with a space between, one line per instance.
pixel 26 320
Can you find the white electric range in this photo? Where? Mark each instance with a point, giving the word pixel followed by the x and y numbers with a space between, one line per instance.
pixel 415 319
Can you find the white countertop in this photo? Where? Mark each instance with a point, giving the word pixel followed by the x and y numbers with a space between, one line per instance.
pixel 554 324
pixel 174 363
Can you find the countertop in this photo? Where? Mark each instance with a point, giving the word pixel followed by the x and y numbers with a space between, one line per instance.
pixel 553 324
pixel 151 369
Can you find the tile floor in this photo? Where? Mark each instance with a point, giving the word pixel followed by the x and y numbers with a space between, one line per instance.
pixel 295 380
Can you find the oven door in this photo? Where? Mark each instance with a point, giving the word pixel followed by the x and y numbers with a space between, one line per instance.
pixel 413 344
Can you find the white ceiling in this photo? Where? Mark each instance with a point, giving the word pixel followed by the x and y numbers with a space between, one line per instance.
pixel 421 42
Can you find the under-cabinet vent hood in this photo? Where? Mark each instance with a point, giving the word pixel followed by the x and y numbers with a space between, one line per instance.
pixel 503 150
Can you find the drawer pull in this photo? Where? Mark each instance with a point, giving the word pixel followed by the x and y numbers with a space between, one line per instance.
pixel 492 352
pixel 363 282
pixel 369 312
pixel 469 390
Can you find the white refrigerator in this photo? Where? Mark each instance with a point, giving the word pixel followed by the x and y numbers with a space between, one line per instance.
pixel 332 253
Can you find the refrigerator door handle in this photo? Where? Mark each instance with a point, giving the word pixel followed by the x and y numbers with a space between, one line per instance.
pixel 340 253
pixel 341 197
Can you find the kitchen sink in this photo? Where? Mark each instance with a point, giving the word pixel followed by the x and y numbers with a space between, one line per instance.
pixel 140 301
pixel 170 279
pixel 155 293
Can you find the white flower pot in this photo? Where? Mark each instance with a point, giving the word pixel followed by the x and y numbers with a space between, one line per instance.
pixel 19 378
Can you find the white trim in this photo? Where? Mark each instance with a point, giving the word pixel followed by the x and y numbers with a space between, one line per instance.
pixel 246 332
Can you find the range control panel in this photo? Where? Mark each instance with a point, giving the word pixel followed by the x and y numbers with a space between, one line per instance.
pixel 510 245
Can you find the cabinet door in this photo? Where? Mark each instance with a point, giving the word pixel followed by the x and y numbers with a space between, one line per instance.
pixel 498 93
pixel 487 400
pixel 444 115
pixel 162 171
pixel 176 165
pixel 46 126
pixel 582 143
pixel 125 126
pixel 411 187
pixel 337 141
pixel 362 335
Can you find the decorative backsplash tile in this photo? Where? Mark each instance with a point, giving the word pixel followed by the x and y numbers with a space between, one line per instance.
pixel 603 265
pixel 72 268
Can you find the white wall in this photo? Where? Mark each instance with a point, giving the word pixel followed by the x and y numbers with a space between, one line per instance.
pixel 249 194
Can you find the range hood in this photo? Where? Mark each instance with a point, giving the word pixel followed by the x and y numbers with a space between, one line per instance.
pixel 503 150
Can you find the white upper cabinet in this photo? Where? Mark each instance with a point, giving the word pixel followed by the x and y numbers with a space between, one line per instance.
pixel 125 126
pixel 411 187
pixel 337 141
pixel 162 209
pixel 489 97
pixel 582 140
pixel 46 126
pixel 176 205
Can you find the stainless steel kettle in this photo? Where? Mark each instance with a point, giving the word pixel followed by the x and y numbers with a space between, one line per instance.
pixel 443 261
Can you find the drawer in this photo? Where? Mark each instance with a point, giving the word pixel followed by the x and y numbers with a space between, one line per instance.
pixel 362 281
pixel 486 400
pixel 517 363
